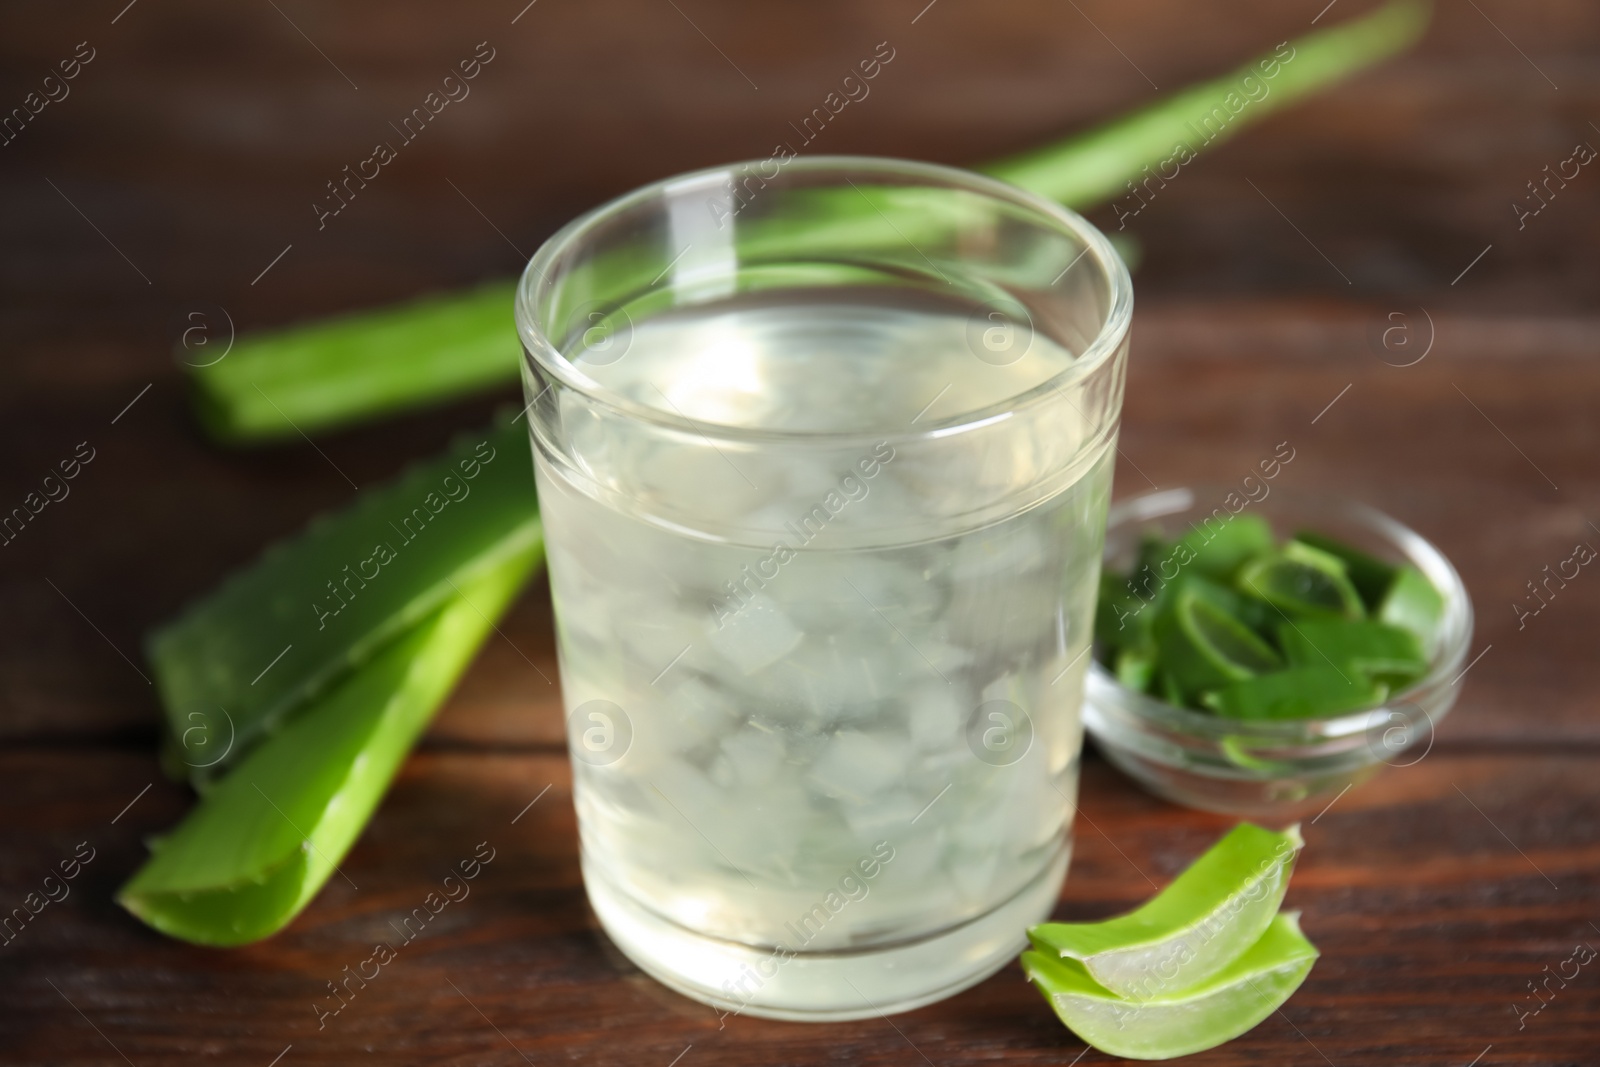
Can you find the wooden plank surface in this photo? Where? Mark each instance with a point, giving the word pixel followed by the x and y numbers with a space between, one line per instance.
pixel 187 156
pixel 1435 893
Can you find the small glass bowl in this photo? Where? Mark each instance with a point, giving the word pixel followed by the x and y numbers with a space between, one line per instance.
pixel 1274 770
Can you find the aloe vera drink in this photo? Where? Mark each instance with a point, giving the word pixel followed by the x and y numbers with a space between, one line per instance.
pixel 823 589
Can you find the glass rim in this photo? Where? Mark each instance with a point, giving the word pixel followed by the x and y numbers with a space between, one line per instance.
pixel 1327 728
pixel 535 284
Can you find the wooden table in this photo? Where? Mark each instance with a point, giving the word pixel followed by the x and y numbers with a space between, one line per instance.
pixel 177 178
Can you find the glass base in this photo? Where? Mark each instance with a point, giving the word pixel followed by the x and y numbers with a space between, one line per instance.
pixel 740 979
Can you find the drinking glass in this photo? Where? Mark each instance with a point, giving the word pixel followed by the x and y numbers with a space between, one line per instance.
pixel 823 449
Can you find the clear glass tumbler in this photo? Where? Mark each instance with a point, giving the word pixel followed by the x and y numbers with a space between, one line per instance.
pixel 824 450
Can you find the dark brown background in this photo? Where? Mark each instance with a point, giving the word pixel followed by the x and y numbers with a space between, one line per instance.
pixel 187 156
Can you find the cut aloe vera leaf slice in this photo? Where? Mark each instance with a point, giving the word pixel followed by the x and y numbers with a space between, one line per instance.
pixel 1168 690
pixel 1152 549
pixel 234 665
pixel 1228 1004
pixel 1193 928
pixel 1136 669
pixel 1219 549
pixel 361 365
pixel 1412 603
pixel 1302 582
pixel 1237 749
pixel 1202 647
pixel 1297 693
pixel 1376 649
pixel 259 846
pixel 1259 616
pixel 1123 614
pixel 1370 575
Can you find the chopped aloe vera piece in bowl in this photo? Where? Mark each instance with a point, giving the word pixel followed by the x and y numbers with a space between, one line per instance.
pixel 1167 689
pixel 1297 693
pixel 1413 603
pixel 1386 653
pixel 1153 549
pixel 1219 550
pixel 1201 646
pixel 1303 582
pixel 1370 575
pixel 1193 928
pixel 1231 1002
pixel 1122 618
pixel 261 843
pixel 1136 668
pixel 1262 618
pixel 1239 751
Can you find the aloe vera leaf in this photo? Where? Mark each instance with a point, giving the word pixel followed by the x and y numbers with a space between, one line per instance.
pixel 324 374
pixel 1192 929
pixel 235 664
pixel 1230 1003
pixel 1085 170
pixel 260 845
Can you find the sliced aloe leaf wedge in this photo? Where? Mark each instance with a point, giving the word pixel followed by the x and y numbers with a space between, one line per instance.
pixel 1229 1003
pixel 1193 928
pixel 259 845
pixel 236 664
